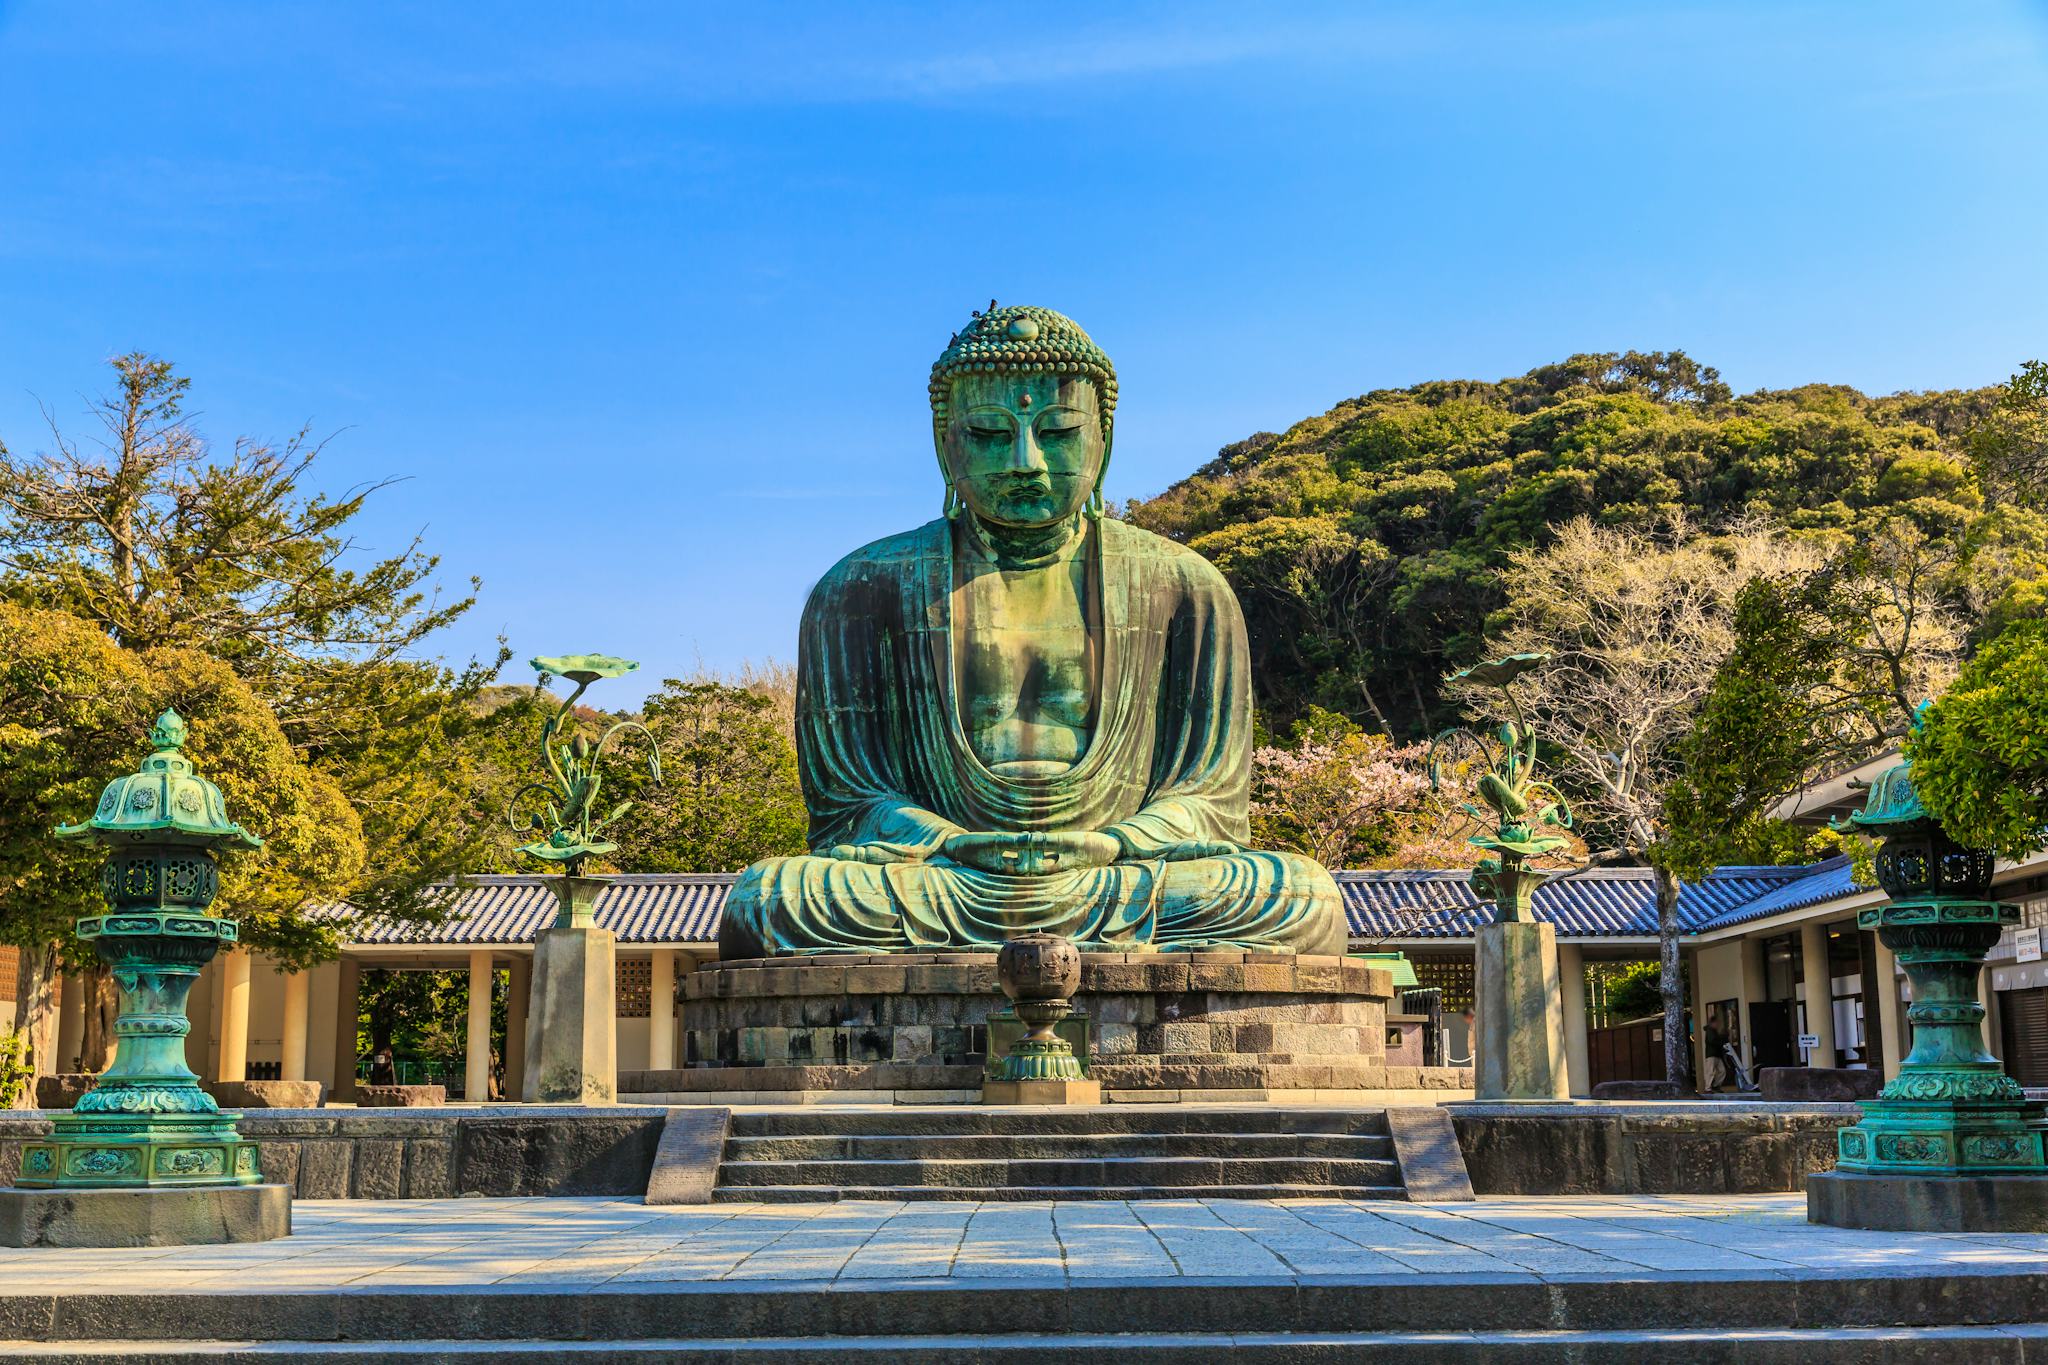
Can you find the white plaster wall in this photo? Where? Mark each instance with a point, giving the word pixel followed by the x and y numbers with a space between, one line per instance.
pixel 632 1044
pixel 1718 976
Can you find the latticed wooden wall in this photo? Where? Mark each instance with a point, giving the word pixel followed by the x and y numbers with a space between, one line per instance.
pixel 636 981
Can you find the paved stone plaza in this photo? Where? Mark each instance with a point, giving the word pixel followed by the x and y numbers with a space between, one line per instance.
pixel 569 1242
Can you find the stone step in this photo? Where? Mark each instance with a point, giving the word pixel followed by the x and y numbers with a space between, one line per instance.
pixel 825 1194
pixel 1783 1303
pixel 1168 1171
pixel 1065 1146
pixel 910 1121
pixel 1836 1346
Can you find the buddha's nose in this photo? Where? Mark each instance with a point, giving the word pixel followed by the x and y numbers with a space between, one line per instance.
pixel 1026 456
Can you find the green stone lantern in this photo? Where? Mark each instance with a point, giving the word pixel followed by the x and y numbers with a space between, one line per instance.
pixel 148 1124
pixel 1951 1110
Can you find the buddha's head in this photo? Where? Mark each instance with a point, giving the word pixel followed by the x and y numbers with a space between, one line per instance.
pixel 1022 403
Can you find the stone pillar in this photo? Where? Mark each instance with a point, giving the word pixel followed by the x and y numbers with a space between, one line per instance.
pixel 298 1001
pixel 518 986
pixel 1519 1051
pixel 661 1011
pixel 348 981
pixel 1571 980
pixel 1820 993
pixel 476 1054
pixel 70 1020
pixel 234 1016
pixel 1884 992
pixel 572 1027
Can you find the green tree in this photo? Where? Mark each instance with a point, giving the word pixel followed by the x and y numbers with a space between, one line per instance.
pixel 1980 761
pixel 1446 480
pixel 78 711
pixel 729 794
pixel 159 540
pixel 2010 447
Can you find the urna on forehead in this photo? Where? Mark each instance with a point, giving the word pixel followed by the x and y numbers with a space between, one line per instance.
pixel 1021 340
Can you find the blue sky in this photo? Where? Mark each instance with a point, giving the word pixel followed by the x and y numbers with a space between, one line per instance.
pixel 639 299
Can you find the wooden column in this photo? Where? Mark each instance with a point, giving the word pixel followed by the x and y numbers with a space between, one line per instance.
pixel 1571 983
pixel 661 1011
pixel 298 1000
pixel 1891 1020
pixel 518 989
pixel 1820 993
pixel 234 1016
pixel 476 1070
pixel 348 981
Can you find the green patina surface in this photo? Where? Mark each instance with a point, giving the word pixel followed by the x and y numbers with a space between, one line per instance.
pixel 1951 1110
pixel 1520 804
pixel 1025 716
pixel 570 817
pixel 148 1122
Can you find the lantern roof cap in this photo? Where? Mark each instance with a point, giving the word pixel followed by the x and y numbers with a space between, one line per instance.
pixel 166 802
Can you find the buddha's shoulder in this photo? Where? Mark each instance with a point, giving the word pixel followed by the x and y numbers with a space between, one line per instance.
pixel 1139 546
pixel 889 556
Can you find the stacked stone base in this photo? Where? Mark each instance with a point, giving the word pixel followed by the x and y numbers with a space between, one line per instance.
pixel 1189 1026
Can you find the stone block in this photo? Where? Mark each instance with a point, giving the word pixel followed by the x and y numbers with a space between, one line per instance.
pixel 1818 1084
pixel 1262 975
pixel 62 1091
pixel 571 1048
pixel 527 1156
pixel 324 1168
pixel 400 1096
pixel 1116 1040
pixel 1041 1092
pixel 1184 1037
pixel 1636 1090
pixel 1519 1018
pixel 1316 973
pixel 686 1160
pixel 911 1043
pixel 379 1168
pixel 429 1169
pixel 1925 1203
pixel 278 1160
pixel 821 981
pixel 1213 976
pixel 206 1215
pixel 877 980
pixel 266 1094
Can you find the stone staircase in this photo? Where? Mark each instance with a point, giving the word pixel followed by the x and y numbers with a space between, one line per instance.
pixel 1135 1152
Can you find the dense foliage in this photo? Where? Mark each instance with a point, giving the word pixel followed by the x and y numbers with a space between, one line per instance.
pixel 1368 544
pixel 1981 759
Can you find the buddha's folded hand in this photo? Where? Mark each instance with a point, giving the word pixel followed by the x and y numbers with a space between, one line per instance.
pixel 877 853
pixel 1032 854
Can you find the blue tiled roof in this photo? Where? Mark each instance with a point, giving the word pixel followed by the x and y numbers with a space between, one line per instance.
pixel 639 908
pixel 1824 881
pixel 1602 903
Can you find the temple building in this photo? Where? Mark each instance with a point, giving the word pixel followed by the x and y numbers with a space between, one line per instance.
pixel 1756 939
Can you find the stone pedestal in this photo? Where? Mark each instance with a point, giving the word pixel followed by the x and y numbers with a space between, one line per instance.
pixel 1220 1026
pixel 1041 1092
pixel 1519 1053
pixel 1921 1203
pixel 571 1026
pixel 152 1217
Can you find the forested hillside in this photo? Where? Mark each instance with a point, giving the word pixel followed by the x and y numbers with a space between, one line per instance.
pixel 1367 544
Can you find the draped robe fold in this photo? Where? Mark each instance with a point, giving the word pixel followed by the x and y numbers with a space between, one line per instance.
pixel 887 763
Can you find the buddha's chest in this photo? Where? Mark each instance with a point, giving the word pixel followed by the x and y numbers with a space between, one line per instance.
pixel 1027 675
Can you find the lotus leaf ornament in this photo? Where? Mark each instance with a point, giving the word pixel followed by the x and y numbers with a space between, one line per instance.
pixel 583 669
pixel 1518 803
pixel 568 810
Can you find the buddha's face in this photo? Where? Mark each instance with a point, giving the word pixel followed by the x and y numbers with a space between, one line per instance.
pixel 1024 449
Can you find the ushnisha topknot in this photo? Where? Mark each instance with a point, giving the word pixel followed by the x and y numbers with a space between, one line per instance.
pixel 1021 339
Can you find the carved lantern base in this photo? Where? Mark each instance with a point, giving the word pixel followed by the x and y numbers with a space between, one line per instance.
pixel 147 1123
pixel 1951 1110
